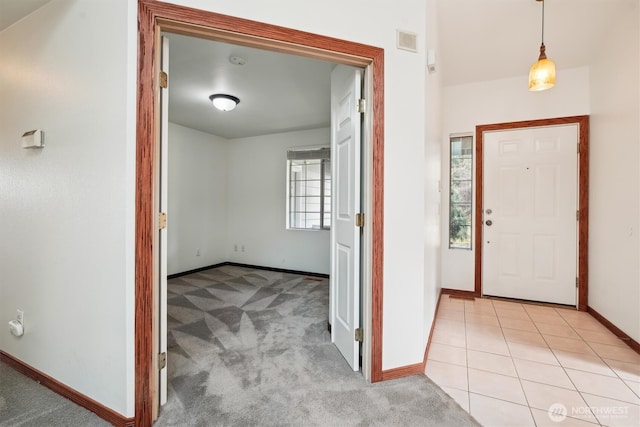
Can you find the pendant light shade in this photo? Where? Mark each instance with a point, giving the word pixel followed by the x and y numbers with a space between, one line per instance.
pixel 542 74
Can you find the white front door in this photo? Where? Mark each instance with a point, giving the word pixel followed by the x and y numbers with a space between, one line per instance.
pixel 530 225
pixel 346 86
pixel 162 238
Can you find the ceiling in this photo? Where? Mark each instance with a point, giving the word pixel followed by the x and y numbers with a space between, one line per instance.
pixel 479 41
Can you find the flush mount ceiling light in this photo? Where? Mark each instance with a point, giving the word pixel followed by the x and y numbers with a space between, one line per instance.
pixel 542 75
pixel 224 102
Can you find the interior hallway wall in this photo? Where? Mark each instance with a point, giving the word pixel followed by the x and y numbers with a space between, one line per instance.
pixel 67 210
pixel 614 220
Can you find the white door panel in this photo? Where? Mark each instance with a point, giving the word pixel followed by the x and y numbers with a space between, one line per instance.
pixel 530 226
pixel 344 310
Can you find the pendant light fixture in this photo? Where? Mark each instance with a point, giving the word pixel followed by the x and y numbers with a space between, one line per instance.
pixel 542 75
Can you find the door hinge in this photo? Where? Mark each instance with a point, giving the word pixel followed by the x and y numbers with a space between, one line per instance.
pixel 164 80
pixel 577 282
pixel 162 221
pixel 578 148
pixel 162 360
pixel 578 215
pixel 359 334
pixel 362 105
pixel 360 220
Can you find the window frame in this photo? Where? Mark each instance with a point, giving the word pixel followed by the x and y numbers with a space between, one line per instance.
pixel 324 178
pixel 470 203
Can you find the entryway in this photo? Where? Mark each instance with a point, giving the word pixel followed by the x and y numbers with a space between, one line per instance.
pixel 532 210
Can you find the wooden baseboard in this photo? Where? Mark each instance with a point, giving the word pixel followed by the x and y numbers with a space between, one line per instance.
pixel 617 331
pixel 433 325
pixel 65 391
pixel 459 293
pixel 403 371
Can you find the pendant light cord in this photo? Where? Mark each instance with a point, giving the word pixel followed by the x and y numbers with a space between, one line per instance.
pixel 542 21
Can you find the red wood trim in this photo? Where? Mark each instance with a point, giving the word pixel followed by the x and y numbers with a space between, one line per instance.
pixel 154 16
pixel 433 325
pixel 617 331
pixel 67 392
pixel 403 371
pixel 583 196
pixel 460 293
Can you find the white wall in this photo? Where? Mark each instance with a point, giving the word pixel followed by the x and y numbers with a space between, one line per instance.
pixel 433 131
pixel 498 101
pixel 197 197
pixel 257 205
pixel 614 220
pixel 404 217
pixel 67 210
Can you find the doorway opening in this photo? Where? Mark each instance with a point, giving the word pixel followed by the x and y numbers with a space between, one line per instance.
pixel 155 18
pixel 483 212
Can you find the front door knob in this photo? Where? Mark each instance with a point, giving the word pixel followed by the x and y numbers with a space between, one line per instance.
pixel 488 222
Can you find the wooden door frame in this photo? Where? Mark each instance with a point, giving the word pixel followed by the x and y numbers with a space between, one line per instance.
pixel 154 17
pixel 583 195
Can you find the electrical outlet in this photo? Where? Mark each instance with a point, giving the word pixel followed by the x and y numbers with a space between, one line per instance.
pixel 198 252
pixel 20 316
pixel 235 248
pixel 242 249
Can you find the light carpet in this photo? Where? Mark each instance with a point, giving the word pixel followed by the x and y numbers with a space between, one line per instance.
pixel 250 347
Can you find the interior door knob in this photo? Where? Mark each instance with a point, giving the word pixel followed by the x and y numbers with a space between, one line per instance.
pixel 488 222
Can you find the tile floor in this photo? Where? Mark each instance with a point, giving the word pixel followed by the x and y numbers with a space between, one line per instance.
pixel 512 364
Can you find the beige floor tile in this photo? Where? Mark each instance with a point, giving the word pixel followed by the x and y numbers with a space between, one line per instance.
pixel 495 345
pixel 633 386
pixel 601 337
pixel 542 396
pixel 543 419
pixel 486 309
pixel 450 306
pixel 512 314
pixel 496 385
pixel 508 305
pixel 491 362
pixel 482 330
pixel 542 373
pixel 625 370
pixel 447 374
pixel 520 324
pixel 550 318
pixel 624 354
pixel 601 385
pixel 480 319
pixel 446 313
pixel 567 344
pixel 498 413
pixel 447 353
pixel 583 362
pixel 558 330
pixel 524 337
pixel 613 413
pixel 460 396
pixel 533 353
pixel 442 336
pixel 448 325
pixel 587 323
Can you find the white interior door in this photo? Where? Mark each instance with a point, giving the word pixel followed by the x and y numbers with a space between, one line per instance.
pixel 530 225
pixel 346 86
pixel 162 238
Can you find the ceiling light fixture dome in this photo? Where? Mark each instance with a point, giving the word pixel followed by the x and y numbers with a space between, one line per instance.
pixel 224 102
pixel 542 75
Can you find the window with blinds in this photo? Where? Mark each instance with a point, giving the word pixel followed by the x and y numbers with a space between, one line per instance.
pixel 461 191
pixel 309 189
